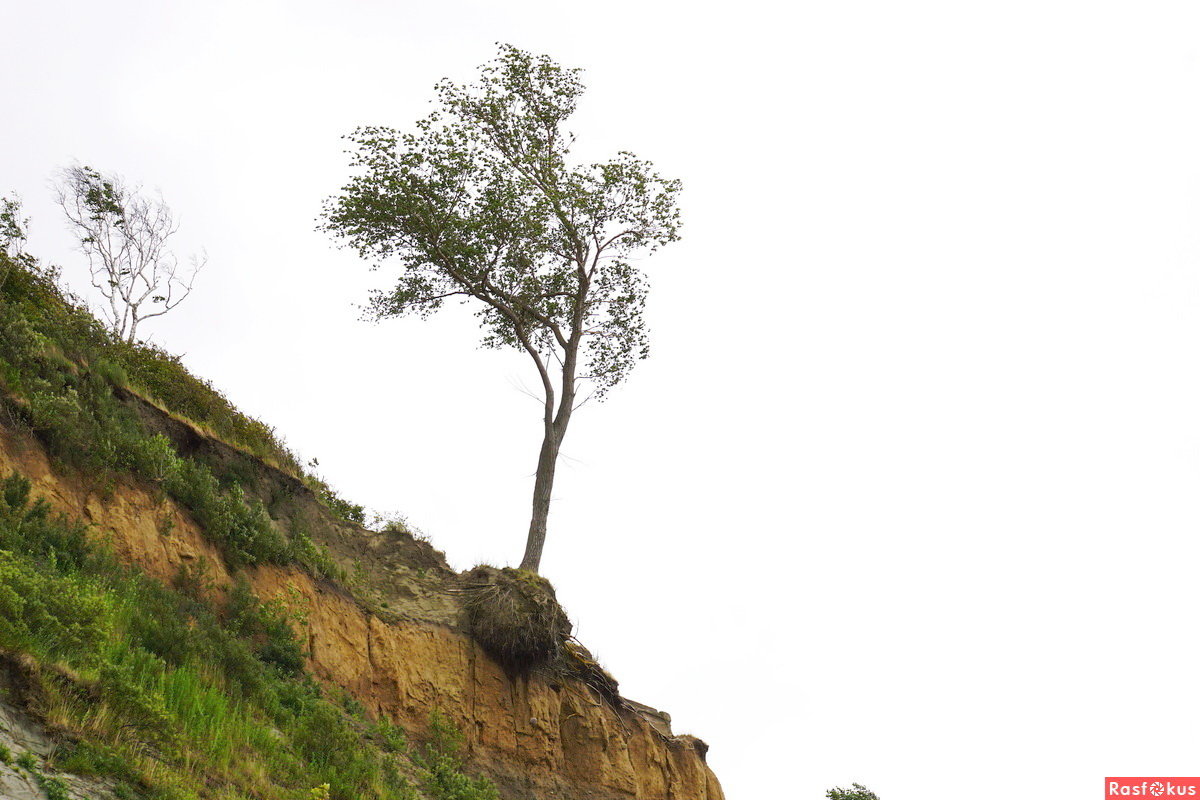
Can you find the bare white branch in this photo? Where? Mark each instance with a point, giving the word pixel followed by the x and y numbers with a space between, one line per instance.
pixel 125 236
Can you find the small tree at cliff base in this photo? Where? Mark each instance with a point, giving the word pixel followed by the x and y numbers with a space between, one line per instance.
pixel 481 202
pixel 858 792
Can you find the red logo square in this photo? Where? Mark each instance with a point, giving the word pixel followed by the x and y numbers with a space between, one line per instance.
pixel 1151 787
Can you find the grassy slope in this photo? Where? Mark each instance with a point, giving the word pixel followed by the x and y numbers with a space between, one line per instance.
pixel 156 686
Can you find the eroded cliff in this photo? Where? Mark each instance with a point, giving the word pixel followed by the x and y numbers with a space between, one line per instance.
pixel 393 639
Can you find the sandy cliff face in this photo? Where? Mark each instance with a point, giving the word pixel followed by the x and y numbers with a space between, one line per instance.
pixel 537 738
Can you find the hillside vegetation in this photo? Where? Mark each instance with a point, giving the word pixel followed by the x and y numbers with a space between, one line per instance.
pixel 170 691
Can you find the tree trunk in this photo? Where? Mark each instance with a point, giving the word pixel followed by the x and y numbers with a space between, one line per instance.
pixel 543 484
pixel 555 429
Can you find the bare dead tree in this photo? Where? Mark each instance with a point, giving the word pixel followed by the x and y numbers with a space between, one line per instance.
pixel 125 236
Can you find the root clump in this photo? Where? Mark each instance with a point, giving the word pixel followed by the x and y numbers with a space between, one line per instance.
pixel 514 616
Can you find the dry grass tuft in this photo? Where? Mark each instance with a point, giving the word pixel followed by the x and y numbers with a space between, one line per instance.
pixel 514 616
pixel 579 663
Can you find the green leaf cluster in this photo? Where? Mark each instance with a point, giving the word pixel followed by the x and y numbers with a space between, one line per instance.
pixel 856 792
pixel 482 201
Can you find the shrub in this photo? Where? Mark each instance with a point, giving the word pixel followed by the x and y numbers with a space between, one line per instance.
pixel 130 685
pixel 240 527
pixel 53 787
pixel 440 764
pixel 266 624
pixel 303 550
pixel 28 527
pixel 159 689
pixel 154 458
pixel 343 509
pixel 390 737
pixel 858 792
pixel 49 615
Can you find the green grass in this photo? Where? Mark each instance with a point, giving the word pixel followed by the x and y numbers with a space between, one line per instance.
pixel 62 376
pixel 175 698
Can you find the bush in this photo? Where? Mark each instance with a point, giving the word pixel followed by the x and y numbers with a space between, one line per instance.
pixel 29 528
pixel 859 792
pixel 163 377
pixel 342 509
pixel 268 626
pixel 85 758
pixel 50 616
pixel 440 763
pixel 154 458
pixel 240 527
pixel 390 737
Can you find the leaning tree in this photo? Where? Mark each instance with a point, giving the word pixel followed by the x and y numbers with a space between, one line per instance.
pixel 481 201
pixel 126 238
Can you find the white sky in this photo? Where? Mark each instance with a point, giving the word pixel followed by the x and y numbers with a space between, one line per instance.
pixel 907 492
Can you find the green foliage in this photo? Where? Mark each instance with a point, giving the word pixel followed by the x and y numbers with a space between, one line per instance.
pixel 114 374
pixel 40 324
pixel 13 229
pixel 317 558
pixel 163 691
pixel 268 625
pixel 49 615
pixel 171 696
pixel 239 524
pixel 47 607
pixel 858 792
pixel 482 201
pixel 440 764
pixel 53 787
pixel 90 758
pixel 350 512
pixel 162 376
pixel 28 524
pixel 390 737
pixel 396 522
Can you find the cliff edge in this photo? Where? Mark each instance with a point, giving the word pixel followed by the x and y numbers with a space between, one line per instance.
pixel 393 638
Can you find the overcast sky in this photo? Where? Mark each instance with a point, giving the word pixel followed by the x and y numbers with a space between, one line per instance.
pixel 907 491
